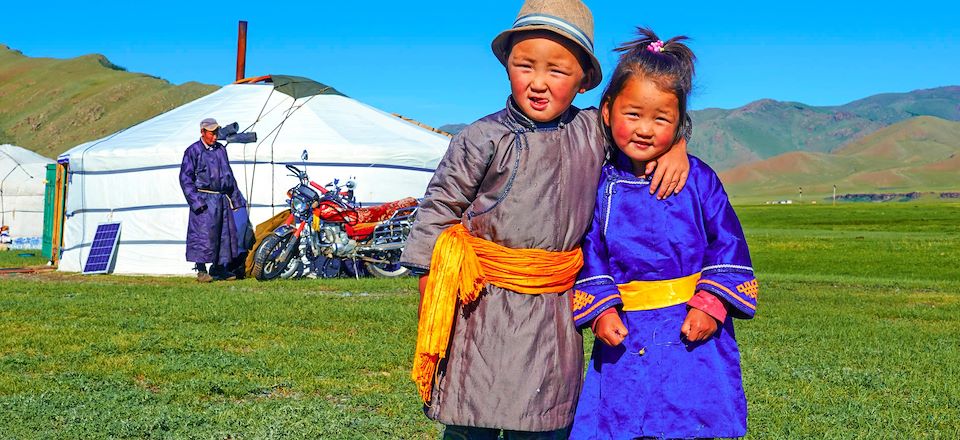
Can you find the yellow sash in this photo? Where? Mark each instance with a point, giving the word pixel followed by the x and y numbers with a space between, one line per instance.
pixel 648 295
pixel 460 268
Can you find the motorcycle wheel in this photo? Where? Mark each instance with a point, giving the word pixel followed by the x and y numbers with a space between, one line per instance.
pixel 265 264
pixel 386 270
pixel 293 270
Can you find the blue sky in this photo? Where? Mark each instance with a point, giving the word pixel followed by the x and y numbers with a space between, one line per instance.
pixel 431 60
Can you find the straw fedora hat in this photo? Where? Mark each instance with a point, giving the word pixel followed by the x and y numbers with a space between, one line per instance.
pixel 571 19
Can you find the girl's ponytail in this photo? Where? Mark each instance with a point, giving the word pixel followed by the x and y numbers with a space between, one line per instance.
pixel 670 64
pixel 633 48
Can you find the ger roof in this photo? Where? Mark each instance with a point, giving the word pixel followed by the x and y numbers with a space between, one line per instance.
pixel 290 115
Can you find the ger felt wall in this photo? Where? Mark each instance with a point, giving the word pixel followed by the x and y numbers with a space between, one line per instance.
pixel 132 176
pixel 154 228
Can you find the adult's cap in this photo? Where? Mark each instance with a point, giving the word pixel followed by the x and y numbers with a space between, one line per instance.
pixel 570 19
pixel 209 124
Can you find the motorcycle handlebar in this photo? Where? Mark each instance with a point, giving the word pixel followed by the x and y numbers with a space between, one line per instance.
pixel 329 191
pixel 297 173
pixel 317 187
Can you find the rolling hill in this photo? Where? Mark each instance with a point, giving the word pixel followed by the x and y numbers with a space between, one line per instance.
pixel 918 154
pixel 50 105
pixel 767 128
pixel 882 143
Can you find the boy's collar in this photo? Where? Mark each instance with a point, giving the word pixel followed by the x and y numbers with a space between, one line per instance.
pixel 519 117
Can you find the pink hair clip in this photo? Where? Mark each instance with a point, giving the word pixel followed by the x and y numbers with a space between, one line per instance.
pixel 655 47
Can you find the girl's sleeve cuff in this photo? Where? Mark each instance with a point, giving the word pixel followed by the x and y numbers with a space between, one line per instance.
pixel 709 304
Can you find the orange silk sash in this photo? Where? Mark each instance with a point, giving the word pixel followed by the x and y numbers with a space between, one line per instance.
pixel 460 267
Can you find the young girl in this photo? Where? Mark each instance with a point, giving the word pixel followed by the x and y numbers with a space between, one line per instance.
pixel 661 279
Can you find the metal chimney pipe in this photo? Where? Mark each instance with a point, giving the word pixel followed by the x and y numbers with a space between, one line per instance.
pixel 241 50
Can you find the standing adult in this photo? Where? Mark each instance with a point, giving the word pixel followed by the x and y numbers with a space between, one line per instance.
pixel 213 195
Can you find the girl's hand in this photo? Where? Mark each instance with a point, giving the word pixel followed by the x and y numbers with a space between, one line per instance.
pixel 698 326
pixel 671 169
pixel 610 329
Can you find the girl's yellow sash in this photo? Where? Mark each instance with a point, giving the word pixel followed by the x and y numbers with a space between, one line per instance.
pixel 461 266
pixel 649 295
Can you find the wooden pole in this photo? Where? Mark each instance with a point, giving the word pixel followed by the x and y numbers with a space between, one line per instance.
pixel 241 50
pixel 59 200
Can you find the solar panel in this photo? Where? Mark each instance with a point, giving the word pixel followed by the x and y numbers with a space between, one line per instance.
pixel 103 249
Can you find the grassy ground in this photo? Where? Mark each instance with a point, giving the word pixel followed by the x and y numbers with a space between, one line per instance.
pixel 856 337
pixel 109 357
pixel 21 258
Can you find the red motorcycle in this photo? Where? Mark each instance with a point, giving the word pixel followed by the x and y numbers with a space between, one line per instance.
pixel 328 234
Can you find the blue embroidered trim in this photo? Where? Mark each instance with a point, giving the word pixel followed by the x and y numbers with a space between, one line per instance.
pixel 557 22
pixel 715 269
pixel 598 280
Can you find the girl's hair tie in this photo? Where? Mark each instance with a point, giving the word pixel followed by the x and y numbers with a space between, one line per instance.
pixel 655 47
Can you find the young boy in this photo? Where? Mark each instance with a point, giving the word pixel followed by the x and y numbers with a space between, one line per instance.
pixel 503 216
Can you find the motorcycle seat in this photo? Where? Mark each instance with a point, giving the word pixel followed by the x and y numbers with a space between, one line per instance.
pixel 384 211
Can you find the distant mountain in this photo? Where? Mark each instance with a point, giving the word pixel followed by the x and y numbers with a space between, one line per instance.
pixel 919 154
pixel 50 105
pixel 767 128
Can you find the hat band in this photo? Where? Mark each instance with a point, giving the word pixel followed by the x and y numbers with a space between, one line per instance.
pixel 576 33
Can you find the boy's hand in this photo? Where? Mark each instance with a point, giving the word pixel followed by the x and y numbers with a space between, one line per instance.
pixel 698 326
pixel 671 169
pixel 610 329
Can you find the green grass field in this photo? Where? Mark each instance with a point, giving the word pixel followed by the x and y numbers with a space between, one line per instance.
pixel 857 336
pixel 21 258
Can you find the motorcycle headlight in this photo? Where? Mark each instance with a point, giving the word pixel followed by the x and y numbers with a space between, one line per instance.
pixel 298 204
